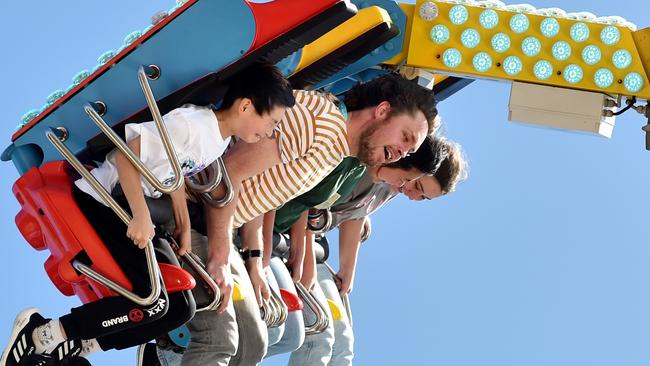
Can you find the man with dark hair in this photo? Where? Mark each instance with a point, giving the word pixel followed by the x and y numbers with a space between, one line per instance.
pixel 404 96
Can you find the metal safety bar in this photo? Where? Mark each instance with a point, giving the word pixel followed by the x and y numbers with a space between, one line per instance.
pixel 212 174
pixel 322 320
pixel 228 195
pixel 93 110
pixel 344 298
pixel 204 189
pixel 274 310
pixel 194 262
pixel 55 136
pixel 319 220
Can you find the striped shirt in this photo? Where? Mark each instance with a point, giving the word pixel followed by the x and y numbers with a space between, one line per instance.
pixel 312 142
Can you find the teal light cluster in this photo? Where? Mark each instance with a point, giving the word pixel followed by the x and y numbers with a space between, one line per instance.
pixel 561 50
pixel 482 62
pixel 573 74
pixel 470 38
pixel 549 27
pixel 439 34
pixel 489 19
pixel 531 46
pixel 519 23
pixel 452 58
pixel 591 55
pixel 512 65
pixel 579 32
pixel 633 82
pixel 622 59
pixel 500 42
pixel 458 14
pixel 543 70
pixel 604 78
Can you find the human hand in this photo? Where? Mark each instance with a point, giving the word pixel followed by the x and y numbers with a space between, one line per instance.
pixel 182 234
pixel 258 279
pixel 295 267
pixel 344 282
pixel 308 279
pixel 220 273
pixel 141 230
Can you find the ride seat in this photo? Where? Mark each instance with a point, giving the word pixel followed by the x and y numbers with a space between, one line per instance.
pixel 51 219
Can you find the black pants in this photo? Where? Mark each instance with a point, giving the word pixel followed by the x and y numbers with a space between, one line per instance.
pixel 115 321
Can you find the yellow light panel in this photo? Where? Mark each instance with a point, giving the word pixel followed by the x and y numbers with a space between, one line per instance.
pixel 577 55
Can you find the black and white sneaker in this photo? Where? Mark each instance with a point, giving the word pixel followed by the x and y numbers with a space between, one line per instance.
pixel 66 350
pixel 49 360
pixel 21 345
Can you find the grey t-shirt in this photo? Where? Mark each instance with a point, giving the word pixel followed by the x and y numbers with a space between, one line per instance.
pixel 366 197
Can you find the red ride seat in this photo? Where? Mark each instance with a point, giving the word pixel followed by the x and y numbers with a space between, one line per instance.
pixel 50 219
pixel 292 300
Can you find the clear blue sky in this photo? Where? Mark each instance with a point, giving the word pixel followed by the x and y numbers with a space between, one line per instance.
pixel 541 258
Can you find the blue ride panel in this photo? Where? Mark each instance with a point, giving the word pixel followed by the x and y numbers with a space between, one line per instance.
pixel 198 41
pixel 289 64
pixel 387 51
pixel 346 83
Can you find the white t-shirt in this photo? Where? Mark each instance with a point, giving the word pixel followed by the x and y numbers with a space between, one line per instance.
pixel 195 134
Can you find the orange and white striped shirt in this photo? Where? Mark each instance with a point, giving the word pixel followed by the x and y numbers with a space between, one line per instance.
pixel 312 142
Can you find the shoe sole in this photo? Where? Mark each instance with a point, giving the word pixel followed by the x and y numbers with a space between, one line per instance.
pixel 21 319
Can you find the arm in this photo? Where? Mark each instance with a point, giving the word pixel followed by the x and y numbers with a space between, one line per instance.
pixel 267 232
pixel 140 229
pixel 251 236
pixel 297 250
pixel 309 267
pixel 242 161
pixel 349 243
pixel 181 220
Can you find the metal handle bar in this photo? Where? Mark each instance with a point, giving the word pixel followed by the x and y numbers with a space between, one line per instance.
pixel 228 196
pixel 198 267
pixel 91 111
pixel 322 320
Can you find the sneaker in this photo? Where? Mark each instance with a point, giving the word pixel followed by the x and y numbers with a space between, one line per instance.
pixel 66 350
pixel 147 355
pixel 49 360
pixel 21 345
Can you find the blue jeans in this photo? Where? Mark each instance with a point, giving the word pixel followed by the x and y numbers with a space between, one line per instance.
pixel 317 348
pixel 294 327
pixel 343 348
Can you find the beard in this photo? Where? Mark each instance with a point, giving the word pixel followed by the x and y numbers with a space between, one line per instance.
pixel 366 149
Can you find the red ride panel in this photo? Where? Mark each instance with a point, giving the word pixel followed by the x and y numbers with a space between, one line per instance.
pixel 292 300
pixel 275 18
pixel 50 219
pixel 175 278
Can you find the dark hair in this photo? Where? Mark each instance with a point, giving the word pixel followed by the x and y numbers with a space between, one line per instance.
pixel 404 96
pixel 263 84
pixel 453 168
pixel 439 157
pixel 426 158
